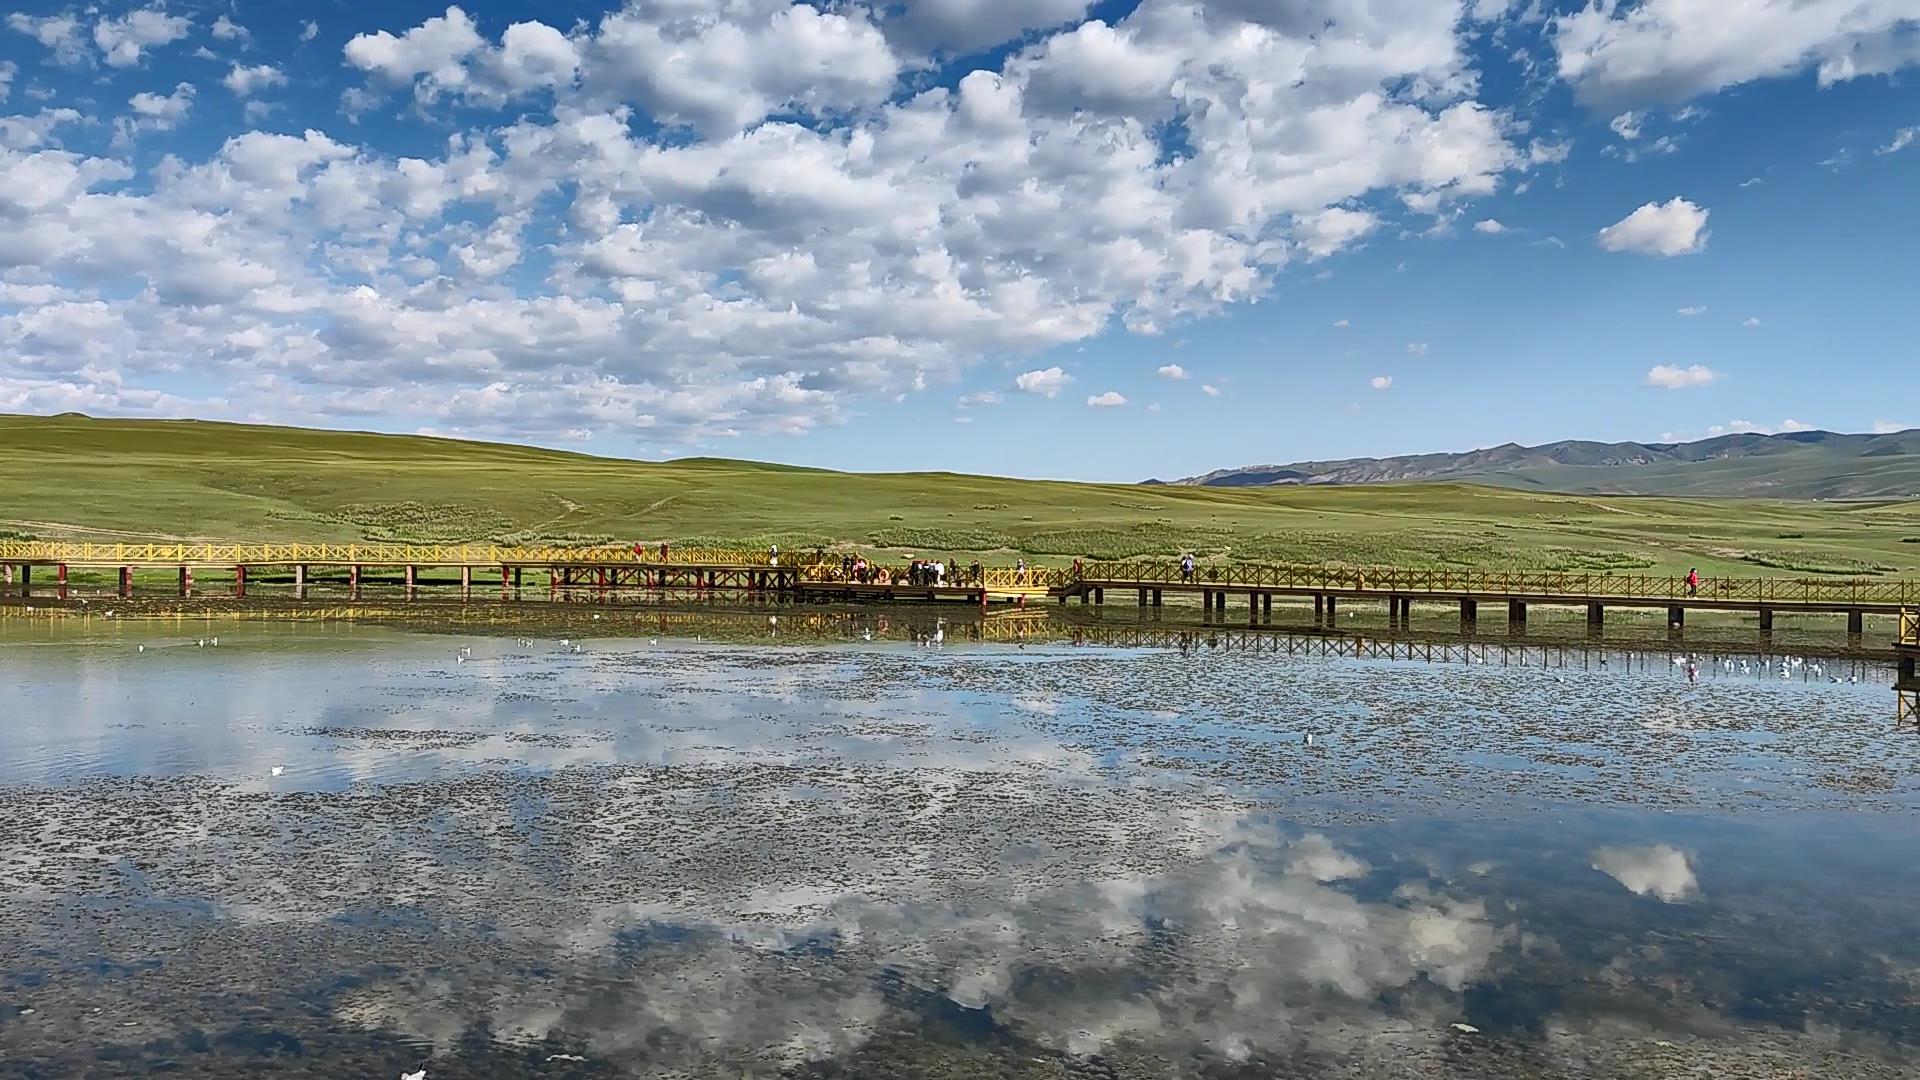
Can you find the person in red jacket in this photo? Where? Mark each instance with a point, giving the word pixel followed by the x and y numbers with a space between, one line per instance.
pixel 1693 582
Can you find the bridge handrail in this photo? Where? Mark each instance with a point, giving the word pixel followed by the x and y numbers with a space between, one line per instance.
pixel 1909 627
pixel 817 565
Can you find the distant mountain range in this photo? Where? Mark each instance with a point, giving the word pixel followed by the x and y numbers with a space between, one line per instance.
pixel 1794 465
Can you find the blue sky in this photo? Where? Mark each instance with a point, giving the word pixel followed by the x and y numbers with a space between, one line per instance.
pixel 1029 237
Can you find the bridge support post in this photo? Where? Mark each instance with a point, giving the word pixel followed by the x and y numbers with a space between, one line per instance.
pixel 1856 622
pixel 1319 608
pixel 1469 611
pixel 6 573
pixel 60 579
pixel 506 583
pixel 1596 616
pixel 1156 598
pixel 126 582
pixel 1676 617
pixel 1099 596
pixel 413 579
pixel 186 581
pixel 466 583
pixel 240 582
pixel 1766 620
pixel 1907 665
pixel 299 581
pixel 26 579
pixel 1333 609
pixel 1143 598
pixel 1517 612
pixel 353 581
pixel 1266 605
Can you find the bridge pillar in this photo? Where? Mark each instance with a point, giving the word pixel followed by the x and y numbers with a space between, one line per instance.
pixel 353 581
pixel 506 583
pixel 466 583
pixel 240 582
pixel 60 579
pixel 413 579
pixel 26 579
pixel 1099 596
pixel 1596 616
pixel 1143 598
pixel 1469 611
pixel 1856 622
pixel 1266 605
pixel 1907 665
pixel 1766 620
pixel 186 581
pixel 1333 609
pixel 1517 612
pixel 1319 608
pixel 6 573
pixel 516 578
pixel 1156 598
pixel 126 582
pixel 1676 616
pixel 299 581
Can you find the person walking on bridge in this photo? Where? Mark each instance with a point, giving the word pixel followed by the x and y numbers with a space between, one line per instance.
pixel 1693 582
pixel 1186 568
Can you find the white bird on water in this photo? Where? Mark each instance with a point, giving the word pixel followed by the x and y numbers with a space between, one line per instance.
pixel 141 648
pixel 417 1075
pixel 277 770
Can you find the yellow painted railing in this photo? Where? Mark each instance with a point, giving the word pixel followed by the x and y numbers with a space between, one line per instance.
pixel 1910 628
pixel 91 554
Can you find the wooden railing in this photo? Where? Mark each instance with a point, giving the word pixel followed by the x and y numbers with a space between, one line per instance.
pixel 1910 627
pixel 379 555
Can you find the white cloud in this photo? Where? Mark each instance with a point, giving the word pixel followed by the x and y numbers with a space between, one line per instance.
pixel 1209 389
pixel 61 34
pixel 1416 348
pixel 962 26
pixel 1670 377
pixel 1342 323
pixel 226 29
pixel 1489 226
pixel 123 41
pixel 435 51
pixel 963 419
pixel 244 81
pixel 1790 424
pixel 161 112
pixel 1691 310
pixel 1153 406
pixel 1675 227
pixel 984 397
pixel 1327 231
pixel 1659 870
pixel 1752 320
pixel 1172 371
pixel 1890 427
pixel 1669 50
pixel 1627 124
pixel 308 31
pixel 1902 139
pixel 1381 382
pixel 1109 400
pixel 8 69
pixel 1047 382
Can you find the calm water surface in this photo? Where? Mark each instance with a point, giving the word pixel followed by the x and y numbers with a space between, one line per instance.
pixel 347 850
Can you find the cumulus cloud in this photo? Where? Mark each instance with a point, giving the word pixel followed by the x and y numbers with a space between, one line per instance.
pixel 696 220
pixel 1047 382
pixel 1691 310
pixel 1381 382
pixel 1109 400
pixel 1658 870
pixel 226 29
pixel 308 31
pixel 1489 226
pixel 984 397
pixel 1342 324
pixel 160 112
pixel 1890 427
pixel 123 41
pixel 1172 371
pixel 1662 51
pixel 245 81
pixel 1675 227
pixel 1209 389
pixel 1670 377
pixel 1752 321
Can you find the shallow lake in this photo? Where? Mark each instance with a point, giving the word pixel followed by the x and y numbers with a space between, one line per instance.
pixel 734 849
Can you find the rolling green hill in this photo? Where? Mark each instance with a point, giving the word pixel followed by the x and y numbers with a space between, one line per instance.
pixel 74 477
pixel 1794 465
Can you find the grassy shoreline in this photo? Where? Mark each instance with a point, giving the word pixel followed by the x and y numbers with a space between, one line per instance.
pixel 107 480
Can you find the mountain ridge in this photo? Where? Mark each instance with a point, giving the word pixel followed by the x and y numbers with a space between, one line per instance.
pixel 1797 464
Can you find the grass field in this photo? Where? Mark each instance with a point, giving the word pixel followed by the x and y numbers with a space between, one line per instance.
pixel 70 477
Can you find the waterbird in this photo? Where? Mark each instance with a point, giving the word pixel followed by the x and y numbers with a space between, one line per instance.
pixel 418 1075
pixel 866 635
pixel 653 641
pixel 277 770
pixel 201 642
pixel 141 648
pixel 213 641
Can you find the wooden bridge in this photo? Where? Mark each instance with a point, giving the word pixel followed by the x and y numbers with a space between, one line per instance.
pixel 820 576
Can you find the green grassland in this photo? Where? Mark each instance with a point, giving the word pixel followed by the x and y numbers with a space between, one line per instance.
pixel 71 477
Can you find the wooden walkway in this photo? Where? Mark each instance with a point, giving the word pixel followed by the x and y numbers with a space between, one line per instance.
pixel 820 577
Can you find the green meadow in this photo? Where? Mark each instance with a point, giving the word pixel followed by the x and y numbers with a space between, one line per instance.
pixel 71 477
